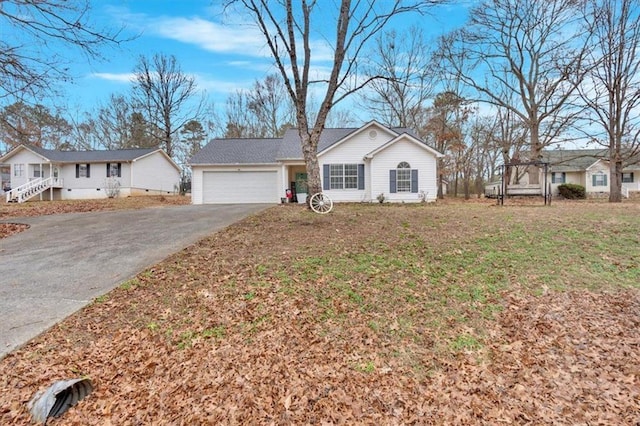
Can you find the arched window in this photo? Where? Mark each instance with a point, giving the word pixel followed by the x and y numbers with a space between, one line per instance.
pixel 403 177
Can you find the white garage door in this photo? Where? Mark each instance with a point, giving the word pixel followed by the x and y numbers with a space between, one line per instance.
pixel 240 187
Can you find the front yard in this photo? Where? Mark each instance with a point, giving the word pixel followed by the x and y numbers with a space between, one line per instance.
pixel 454 313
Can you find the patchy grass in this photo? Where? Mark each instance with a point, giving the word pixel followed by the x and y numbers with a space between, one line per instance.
pixel 374 314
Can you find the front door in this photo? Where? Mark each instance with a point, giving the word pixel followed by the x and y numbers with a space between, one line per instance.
pixel 301 183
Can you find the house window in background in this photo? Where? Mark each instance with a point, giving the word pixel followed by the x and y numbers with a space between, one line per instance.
pixel 18 170
pixel 114 170
pixel 627 177
pixel 599 179
pixel 83 170
pixel 558 177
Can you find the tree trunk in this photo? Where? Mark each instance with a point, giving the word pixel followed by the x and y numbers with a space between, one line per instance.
pixel 309 149
pixel 615 175
pixel 536 155
pixel 440 177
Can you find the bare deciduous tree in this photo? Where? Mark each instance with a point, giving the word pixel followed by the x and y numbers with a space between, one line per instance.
pixel 400 96
pixel 534 50
pixel 35 37
pixel 612 87
pixel 287 27
pixel 164 92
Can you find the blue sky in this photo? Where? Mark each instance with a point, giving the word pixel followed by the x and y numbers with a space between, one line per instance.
pixel 224 52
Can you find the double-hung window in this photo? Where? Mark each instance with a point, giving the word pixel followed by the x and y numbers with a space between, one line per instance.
pixel 599 179
pixel 343 176
pixel 558 177
pixel 114 169
pixel 18 170
pixel 627 177
pixel 403 178
pixel 83 170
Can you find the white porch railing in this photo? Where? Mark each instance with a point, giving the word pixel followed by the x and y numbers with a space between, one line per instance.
pixel 625 192
pixel 31 188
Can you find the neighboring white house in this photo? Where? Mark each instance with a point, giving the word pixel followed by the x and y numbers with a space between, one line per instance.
pixel 589 168
pixel 37 173
pixel 356 164
pixel 586 167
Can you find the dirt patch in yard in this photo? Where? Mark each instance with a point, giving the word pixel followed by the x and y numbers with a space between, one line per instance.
pixel 454 313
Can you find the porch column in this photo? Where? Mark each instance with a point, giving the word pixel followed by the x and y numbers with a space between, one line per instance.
pixel 51 177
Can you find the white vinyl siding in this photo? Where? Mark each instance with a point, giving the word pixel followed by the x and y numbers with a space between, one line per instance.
pixel 421 162
pixel 152 173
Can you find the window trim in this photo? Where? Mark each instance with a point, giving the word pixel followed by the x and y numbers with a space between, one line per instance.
pixel 114 170
pixel 393 181
pixel 599 179
pixel 87 168
pixel 562 177
pixel 18 170
pixel 403 168
pixel 339 180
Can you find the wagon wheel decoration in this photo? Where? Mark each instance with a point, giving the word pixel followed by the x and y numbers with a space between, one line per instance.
pixel 320 203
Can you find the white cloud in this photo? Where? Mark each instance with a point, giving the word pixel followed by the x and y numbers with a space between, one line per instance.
pixel 209 35
pixel 116 77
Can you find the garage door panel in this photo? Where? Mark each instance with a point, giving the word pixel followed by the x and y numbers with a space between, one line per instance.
pixel 240 187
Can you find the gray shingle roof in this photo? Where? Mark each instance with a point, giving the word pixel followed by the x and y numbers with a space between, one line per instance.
pixel 573 159
pixel 268 151
pixel 238 151
pixel 92 156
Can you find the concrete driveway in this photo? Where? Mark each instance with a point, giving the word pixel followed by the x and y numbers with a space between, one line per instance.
pixel 64 261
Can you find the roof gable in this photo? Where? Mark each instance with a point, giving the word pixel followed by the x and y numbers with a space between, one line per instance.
pixel 372 127
pixel 408 137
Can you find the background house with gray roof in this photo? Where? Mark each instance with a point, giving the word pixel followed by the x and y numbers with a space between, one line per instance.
pixel 38 173
pixel 356 165
pixel 589 168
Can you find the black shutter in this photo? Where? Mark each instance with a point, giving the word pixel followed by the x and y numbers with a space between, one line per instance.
pixel 605 179
pixel 326 178
pixel 414 180
pixel 119 169
pixel 88 170
pixel 77 171
pixel 108 166
pixel 593 180
pixel 360 176
pixel 392 181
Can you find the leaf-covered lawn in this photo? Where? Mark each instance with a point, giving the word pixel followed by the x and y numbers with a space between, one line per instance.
pixel 374 314
pixel 41 208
